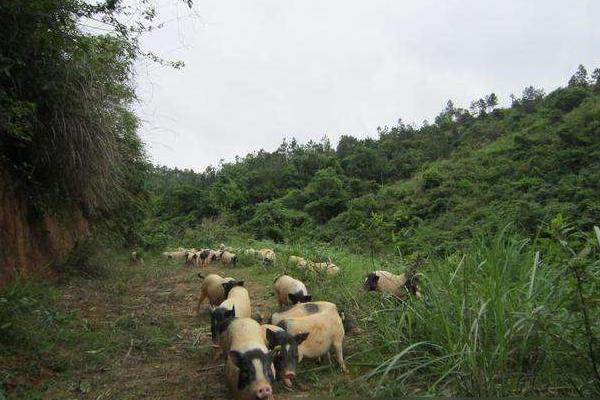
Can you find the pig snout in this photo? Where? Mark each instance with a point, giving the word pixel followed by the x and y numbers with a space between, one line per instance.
pixel 264 392
pixel 287 378
pixel 289 374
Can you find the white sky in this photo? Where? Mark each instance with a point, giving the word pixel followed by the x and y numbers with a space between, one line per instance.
pixel 258 71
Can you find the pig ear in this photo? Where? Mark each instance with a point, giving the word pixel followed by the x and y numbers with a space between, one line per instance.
pixel 308 298
pixel 271 339
pixel 240 283
pixel 376 278
pixel 301 337
pixel 292 297
pixel 236 357
pixel 230 313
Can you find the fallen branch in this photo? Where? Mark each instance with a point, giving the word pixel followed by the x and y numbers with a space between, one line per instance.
pixel 211 367
pixel 129 351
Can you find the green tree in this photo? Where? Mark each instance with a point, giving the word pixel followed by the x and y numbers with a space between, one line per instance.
pixel 491 101
pixel 326 195
pixel 272 220
pixel 66 97
pixel 580 78
pixel 365 163
pixel 228 195
pixel 596 79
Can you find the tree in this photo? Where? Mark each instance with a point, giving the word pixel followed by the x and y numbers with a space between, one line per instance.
pixel 580 78
pixel 530 98
pixel 346 145
pixel 228 195
pixel 491 101
pixel 326 195
pixel 365 163
pixel 478 107
pixel 450 110
pixel 596 79
pixel 65 96
pixel 272 220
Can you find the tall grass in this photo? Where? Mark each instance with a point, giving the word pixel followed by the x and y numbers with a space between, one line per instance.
pixel 500 320
pixel 70 92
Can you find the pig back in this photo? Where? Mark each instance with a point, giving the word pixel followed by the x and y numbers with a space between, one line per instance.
pixel 324 328
pixel 302 310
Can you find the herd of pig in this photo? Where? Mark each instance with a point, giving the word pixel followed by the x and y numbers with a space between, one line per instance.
pixel 255 353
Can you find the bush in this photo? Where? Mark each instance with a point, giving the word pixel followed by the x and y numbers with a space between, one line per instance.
pixel 272 220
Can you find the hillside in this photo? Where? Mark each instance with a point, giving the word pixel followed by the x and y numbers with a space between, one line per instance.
pixel 495 210
pixel 436 186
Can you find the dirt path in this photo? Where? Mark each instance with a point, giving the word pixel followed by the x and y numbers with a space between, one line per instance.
pixel 169 352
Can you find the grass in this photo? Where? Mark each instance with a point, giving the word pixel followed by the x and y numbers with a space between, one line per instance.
pixel 504 318
pixel 54 335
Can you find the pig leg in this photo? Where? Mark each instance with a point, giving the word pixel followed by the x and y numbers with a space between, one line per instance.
pixel 327 356
pixel 339 355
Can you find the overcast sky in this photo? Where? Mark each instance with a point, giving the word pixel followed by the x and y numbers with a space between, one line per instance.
pixel 263 70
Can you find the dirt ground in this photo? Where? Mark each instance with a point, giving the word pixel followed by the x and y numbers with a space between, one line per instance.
pixel 184 368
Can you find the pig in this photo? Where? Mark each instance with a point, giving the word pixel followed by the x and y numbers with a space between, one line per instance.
pixel 191 258
pixel 136 258
pixel 328 267
pixel 222 247
pixel 249 370
pixel 396 285
pixel 250 252
pixel 204 257
pixel 284 348
pixel 326 332
pixel 290 291
pixel 297 261
pixel 235 305
pixel 267 255
pixel 302 310
pixel 175 255
pixel 214 255
pixel 212 288
pixel 228 258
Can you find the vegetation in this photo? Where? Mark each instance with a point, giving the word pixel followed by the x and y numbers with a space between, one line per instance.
pixel 508 316
pixel 78 337
pixel 486 194
pixel 67 132
pixel 432 187
pixel 502 203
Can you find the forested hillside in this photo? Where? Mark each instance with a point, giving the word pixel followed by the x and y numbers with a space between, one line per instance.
pixel 493 212
pixel 435 186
